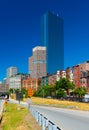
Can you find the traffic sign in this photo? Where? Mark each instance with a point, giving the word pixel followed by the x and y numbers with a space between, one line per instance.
pixel 30 92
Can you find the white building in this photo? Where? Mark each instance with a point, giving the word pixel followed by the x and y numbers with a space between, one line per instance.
pixel 63 74
pixel 15 81
pixel 71 75
pixel 58 76
pixel 11 71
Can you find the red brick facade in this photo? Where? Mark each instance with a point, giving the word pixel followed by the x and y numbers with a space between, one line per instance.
pixel 28 82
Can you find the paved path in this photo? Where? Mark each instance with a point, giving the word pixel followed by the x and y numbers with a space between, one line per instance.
pixel 64 118
pixel 17 102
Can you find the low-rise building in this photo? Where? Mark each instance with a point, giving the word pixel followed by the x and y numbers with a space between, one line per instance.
pixel 28 82
pixel 4 87
pixel 15 81
pixel 52 79
pixel 58 75
pixel 45 81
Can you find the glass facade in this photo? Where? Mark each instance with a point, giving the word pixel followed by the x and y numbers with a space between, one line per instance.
pixel 52 36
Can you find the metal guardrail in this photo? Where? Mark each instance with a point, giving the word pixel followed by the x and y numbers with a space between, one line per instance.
pixel 1 109
pixel 43 121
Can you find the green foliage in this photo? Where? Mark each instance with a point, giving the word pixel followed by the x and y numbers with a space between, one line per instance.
pixel 7 93
pixel 80 91
pixel 61 93
pixel 65 84
pixel 25 92
pixel 11 90
pixel 38 92
pixel 17 90
pixel 45 91
pixel 52 90
pixel 60 87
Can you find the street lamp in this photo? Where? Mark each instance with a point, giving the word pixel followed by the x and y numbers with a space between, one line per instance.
pixel 43 95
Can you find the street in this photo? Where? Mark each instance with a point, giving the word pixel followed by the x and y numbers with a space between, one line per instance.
pixel 64 118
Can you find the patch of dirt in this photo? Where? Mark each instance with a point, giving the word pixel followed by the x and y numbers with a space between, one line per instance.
pixel 32 121
pixel 29 123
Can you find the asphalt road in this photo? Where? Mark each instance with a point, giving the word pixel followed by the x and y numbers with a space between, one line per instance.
pixel 64 118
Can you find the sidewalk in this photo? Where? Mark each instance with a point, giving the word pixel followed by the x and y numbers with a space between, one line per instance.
pixel 19 103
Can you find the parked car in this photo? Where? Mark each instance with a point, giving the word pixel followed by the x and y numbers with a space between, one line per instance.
pixel 86 98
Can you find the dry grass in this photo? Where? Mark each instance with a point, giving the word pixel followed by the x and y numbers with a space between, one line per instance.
pixel 59 103
pixel 29 123
pixel 15 119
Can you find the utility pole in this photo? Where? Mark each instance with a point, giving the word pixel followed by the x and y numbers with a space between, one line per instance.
pixel 43 95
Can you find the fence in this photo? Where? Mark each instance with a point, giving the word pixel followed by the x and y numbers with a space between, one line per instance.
pixel 43 121
pixel 1 109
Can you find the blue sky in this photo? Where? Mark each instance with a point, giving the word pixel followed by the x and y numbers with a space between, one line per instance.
pixel 20 30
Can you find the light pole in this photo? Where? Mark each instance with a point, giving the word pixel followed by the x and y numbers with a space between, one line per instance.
pixel 43 95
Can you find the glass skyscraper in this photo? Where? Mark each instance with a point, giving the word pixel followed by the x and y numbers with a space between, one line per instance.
pixel 52 36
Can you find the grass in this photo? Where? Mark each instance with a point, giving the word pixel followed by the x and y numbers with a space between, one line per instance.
pixel 60 104
pixel 15 119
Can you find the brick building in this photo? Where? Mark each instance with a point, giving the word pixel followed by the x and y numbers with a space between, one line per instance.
pixel 76 75
pixel 28 82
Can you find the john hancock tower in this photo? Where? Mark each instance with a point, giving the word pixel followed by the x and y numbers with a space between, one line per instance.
pixel 52 36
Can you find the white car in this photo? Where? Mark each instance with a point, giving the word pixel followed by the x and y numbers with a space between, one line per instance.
pixel 86 98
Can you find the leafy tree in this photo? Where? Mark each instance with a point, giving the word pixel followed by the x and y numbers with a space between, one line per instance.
pixel 8 93
pixel 38 93
pixel 24 91
pixel 61 93
pixel 52 90
pixel 80 91
pixel 11 90
pixel 17 90
pixel 65 84
pixel 45 91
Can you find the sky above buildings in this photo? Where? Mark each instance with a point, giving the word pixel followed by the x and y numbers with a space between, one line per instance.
pixel 20 27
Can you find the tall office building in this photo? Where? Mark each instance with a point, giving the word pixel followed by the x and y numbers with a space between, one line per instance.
pixel 30 64
pixel 11 71
pixel 37 62
pixel 52 36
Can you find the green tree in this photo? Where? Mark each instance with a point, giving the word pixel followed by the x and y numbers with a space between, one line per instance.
pixel 80 91
pixel 11 90
pixel 65 84
pixel 17 90
pixel 38 93
pixel 45 91
pixel 61 93
pixel 24 91
pixel 52 90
